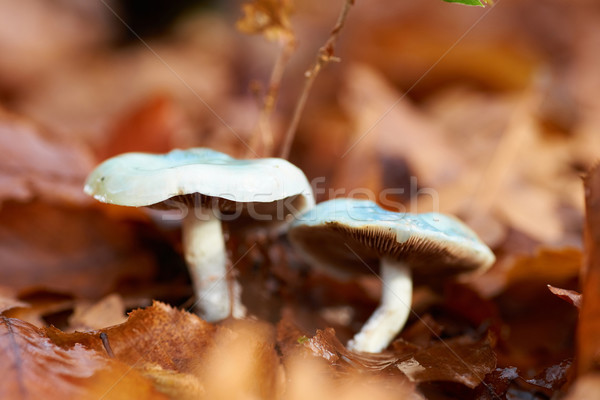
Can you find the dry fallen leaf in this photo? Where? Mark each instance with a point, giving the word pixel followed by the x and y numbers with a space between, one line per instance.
pixel 158 335
pixel 33 367
pixel 570 296
pixel 33 166
pixel 109 311
pixel 461 360
pixel 80 251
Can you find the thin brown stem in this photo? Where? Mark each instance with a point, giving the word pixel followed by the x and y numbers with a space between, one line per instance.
pixel 324 56
pixel 263 137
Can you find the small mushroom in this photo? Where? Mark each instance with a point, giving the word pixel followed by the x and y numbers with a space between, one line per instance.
pixel 206 186
pixel 348 236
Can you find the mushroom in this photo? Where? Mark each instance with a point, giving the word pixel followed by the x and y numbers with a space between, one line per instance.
pixel 206 186
pixel 348 236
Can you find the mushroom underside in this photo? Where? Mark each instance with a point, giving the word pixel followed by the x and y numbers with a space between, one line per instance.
pixel 345 252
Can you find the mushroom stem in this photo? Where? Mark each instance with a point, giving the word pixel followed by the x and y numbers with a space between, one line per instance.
pixel 391 315
pixel 206 257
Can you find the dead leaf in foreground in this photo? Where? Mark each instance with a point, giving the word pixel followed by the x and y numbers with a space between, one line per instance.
pixel 461 360
pixel 159 335
pixel 32 367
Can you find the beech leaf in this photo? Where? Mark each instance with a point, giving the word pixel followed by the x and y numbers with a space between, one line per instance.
pixel 33 367
pixel 461 359
pixel 159 335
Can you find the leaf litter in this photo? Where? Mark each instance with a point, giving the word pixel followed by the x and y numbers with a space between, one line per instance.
pixel 501 132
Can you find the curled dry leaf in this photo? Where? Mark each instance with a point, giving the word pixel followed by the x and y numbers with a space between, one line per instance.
pixel 570 296
pixel 186 357
pixel 33 367
pixel 41 304
pixel 160 335
pixel 553 378
pixel 460 360
pixel 497 383
pixel 270 18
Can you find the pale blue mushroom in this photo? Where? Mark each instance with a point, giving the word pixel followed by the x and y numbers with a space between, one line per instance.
pixel 206 186
pixel 346 237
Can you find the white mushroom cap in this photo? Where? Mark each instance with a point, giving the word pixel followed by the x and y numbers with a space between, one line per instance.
pixel 141 179
pixel 341 235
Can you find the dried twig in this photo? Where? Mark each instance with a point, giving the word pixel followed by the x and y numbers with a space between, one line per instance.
pixel 325 55
pixel 263 138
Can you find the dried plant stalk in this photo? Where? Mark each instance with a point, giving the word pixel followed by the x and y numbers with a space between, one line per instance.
pixel 325 55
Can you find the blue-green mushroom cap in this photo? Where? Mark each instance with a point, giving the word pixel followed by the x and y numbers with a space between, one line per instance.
pixel 349 236
pixel 143 179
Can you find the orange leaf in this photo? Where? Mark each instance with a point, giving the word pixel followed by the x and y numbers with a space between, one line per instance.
pixel 160 334
pixel 32 367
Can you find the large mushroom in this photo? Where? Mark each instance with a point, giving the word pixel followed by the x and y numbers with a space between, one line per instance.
pixel 346 237
pixel 206 186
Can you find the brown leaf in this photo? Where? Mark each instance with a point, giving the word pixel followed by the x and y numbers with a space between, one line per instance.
pixel 75 250
pixel 461 360
pixel 41 304
pixel 109 311
pixel 570 296
pixel 33 166
pixel 554 377
pixel 535 328
pixel 33 367
pixel 497 383
pixel 161 335
pixel 186 356
pixel 588 336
